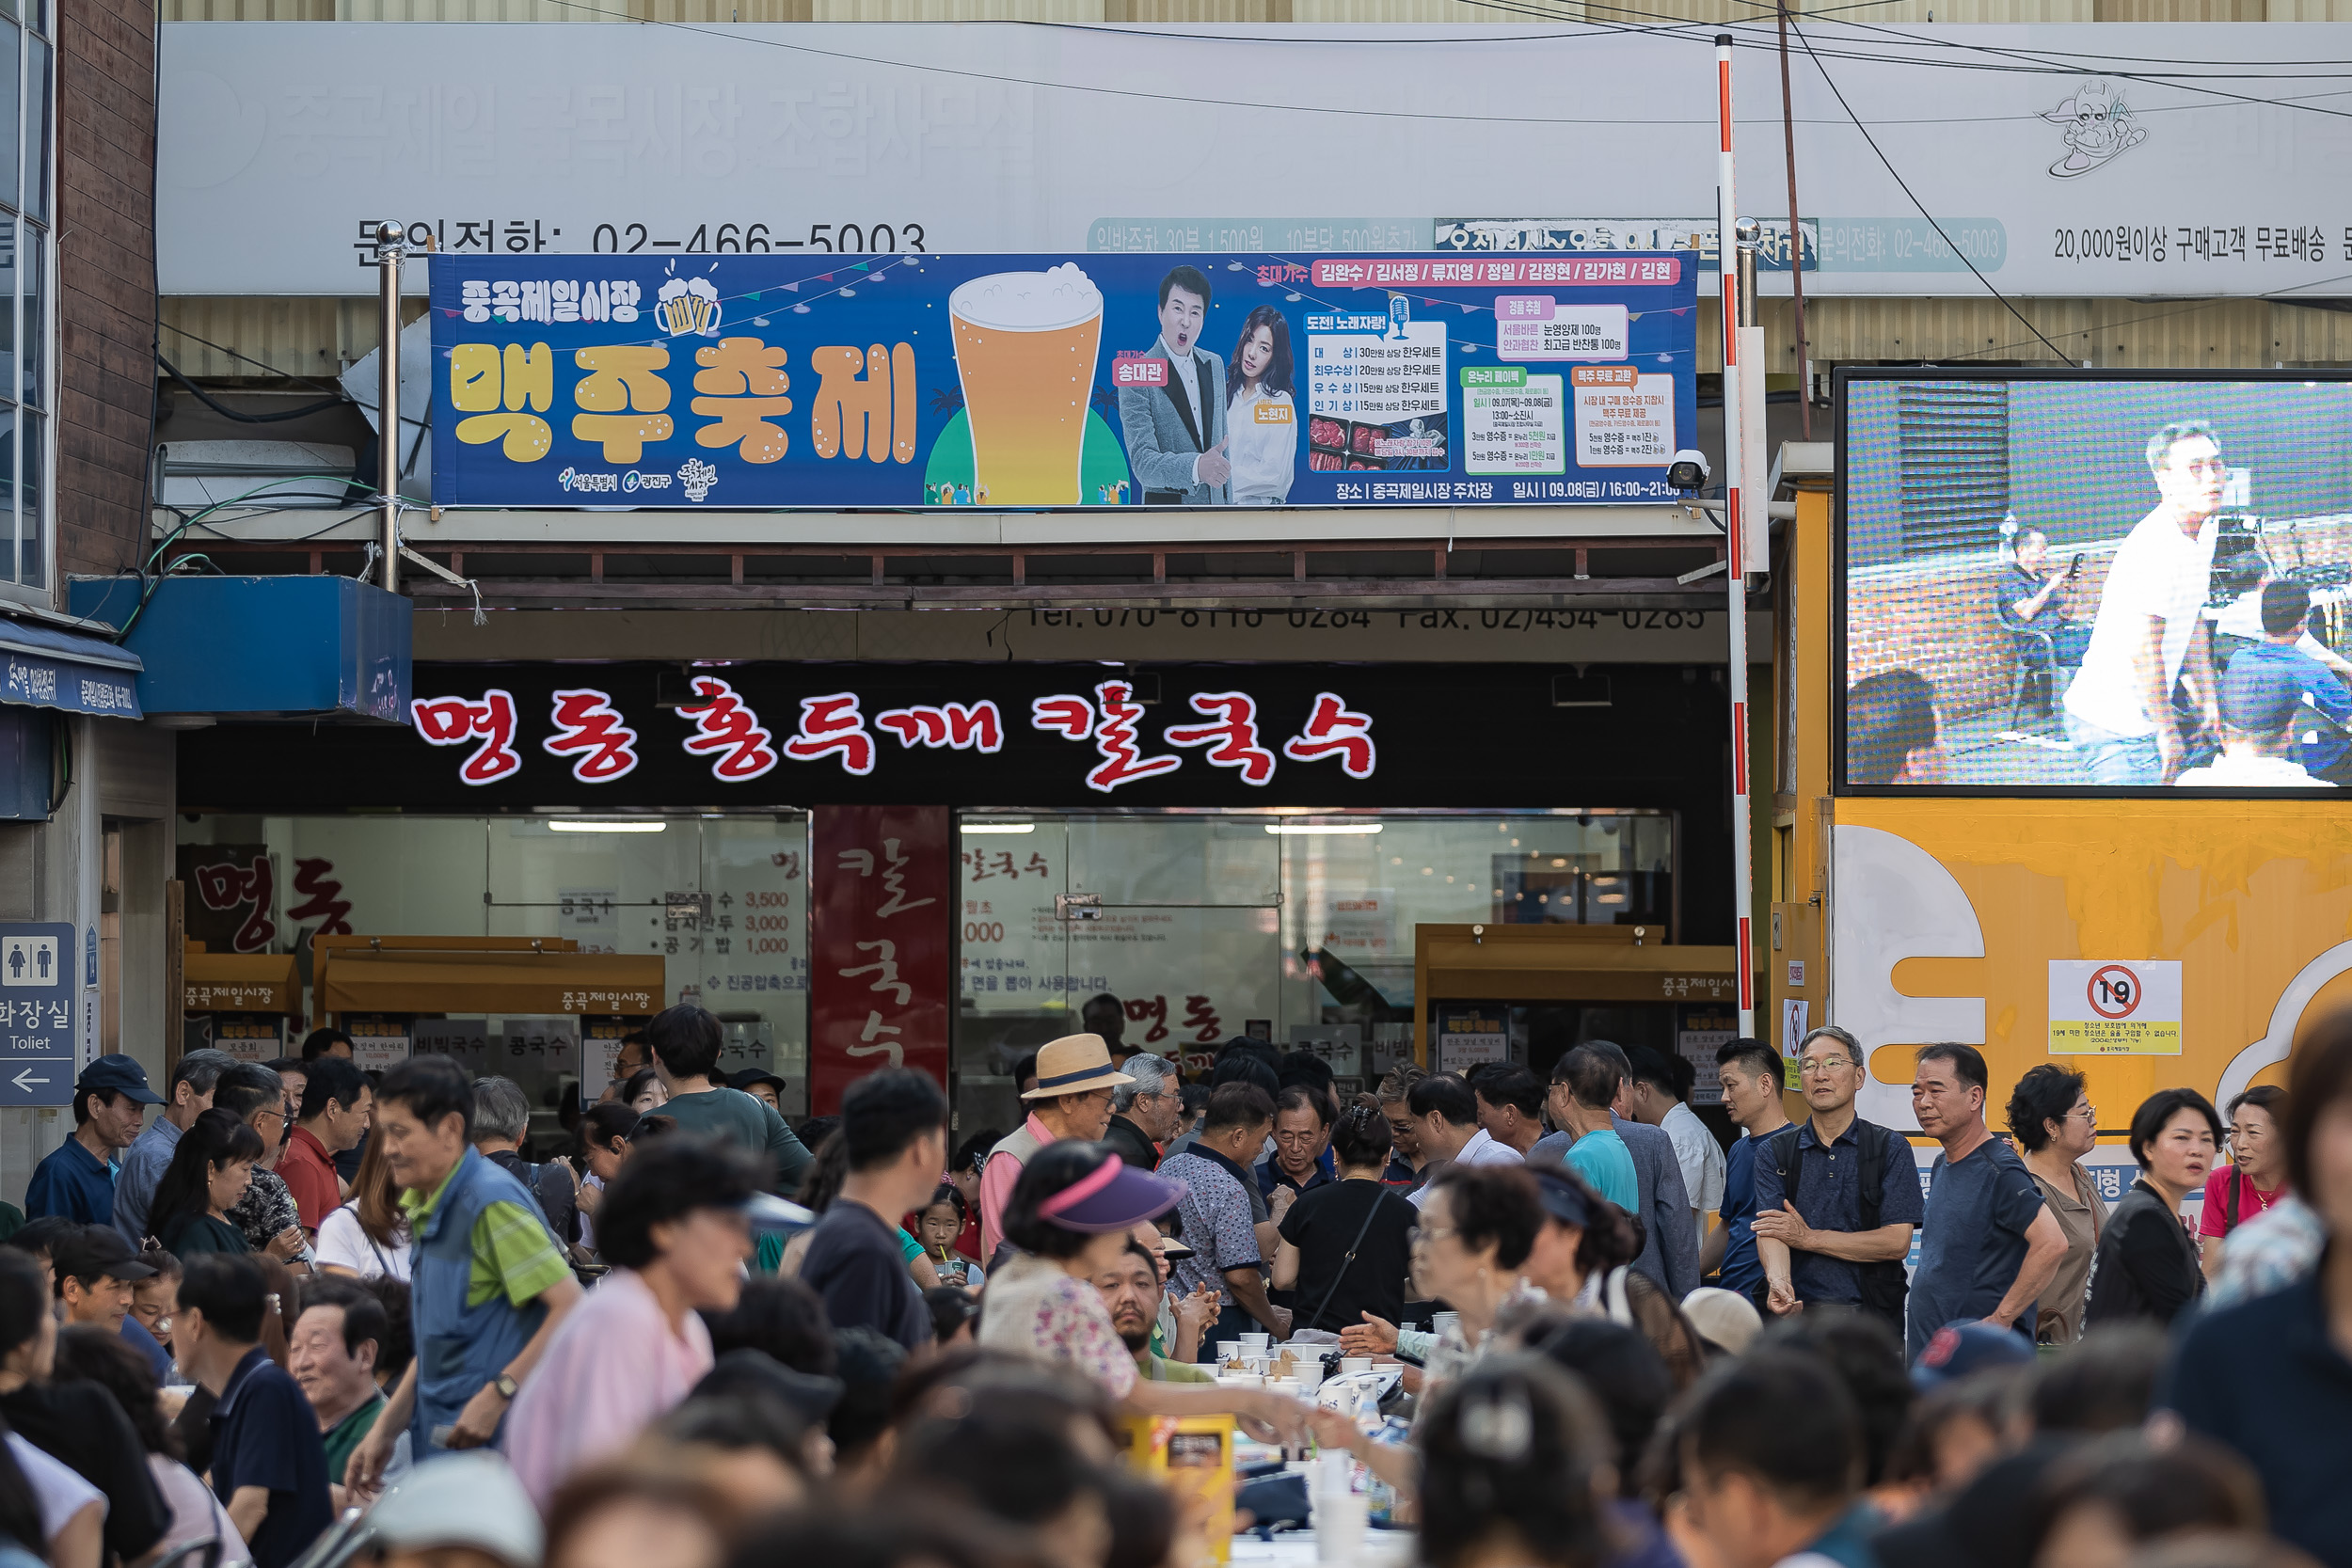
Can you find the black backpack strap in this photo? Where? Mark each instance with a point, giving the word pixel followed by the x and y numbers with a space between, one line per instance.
pixel 2230 1207
pixel 1782 1147
pixel 1872 1139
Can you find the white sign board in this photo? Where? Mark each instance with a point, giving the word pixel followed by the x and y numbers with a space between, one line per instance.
pixel 2114 1007
pixel 278 141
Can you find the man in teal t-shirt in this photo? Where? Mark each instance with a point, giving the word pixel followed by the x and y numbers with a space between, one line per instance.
pixel 1579 1104
pixel 686 1042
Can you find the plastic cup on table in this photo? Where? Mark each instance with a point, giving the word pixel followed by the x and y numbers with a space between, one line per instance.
pixel 1227 1349
pixel 1349 1365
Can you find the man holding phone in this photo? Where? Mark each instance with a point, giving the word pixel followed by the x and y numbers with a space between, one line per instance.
pixel 2032 596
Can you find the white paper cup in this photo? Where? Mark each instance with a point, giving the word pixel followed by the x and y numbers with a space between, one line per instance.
pixel 1350 1365
pixel 1227 1349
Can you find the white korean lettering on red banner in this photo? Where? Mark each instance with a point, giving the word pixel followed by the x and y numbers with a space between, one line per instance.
pixel 1332 730
pixel 455 720
pixel 977 728
pixel 724 724
pixel 832 726
pixel 590 730
pixel 1233 740
pixel 880 988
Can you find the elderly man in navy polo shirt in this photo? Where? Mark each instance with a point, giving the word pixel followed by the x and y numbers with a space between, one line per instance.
pixel 75 1181
pixel 1836 1197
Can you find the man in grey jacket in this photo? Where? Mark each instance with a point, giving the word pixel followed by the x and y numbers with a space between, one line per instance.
pixel 1670 1250
pixel 1175 426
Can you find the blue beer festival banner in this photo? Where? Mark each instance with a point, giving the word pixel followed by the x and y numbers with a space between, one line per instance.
pixel 1047 382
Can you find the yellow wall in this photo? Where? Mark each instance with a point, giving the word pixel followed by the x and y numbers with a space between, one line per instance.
pixel 2252 898
pixel 2247 897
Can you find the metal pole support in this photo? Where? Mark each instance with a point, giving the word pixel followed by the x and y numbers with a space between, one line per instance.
pixel 388 442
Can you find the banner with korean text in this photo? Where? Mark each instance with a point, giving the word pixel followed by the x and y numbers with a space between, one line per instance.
pixel 881 980
pixel 1049 382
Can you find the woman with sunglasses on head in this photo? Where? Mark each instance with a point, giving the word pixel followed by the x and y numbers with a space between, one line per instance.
pixel 1073 1213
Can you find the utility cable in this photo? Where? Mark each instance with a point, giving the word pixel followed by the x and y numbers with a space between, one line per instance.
pixel 1932 221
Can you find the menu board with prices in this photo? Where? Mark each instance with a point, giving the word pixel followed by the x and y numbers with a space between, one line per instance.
pixel 1624 419
pixel 1374 368
pixel 1513 422
pixel 377 1043
pixel 1536 326
pixel 248 1037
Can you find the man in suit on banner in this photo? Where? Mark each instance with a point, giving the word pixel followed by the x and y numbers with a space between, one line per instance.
pixel 1176 430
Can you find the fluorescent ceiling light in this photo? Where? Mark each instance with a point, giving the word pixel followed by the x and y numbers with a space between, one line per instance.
pixel 1290 830
pixel 999 826
pixel 572 824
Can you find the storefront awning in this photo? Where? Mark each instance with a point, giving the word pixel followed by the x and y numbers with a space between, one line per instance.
pixel 1566 963
pixel 241 983
pixel 290 647
pixel 497 984
pixel 45 667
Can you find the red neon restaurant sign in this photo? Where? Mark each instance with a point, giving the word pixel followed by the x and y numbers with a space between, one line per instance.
pixel 584 727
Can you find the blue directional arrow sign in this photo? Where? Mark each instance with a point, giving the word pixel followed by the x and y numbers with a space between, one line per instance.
pixel 36 1024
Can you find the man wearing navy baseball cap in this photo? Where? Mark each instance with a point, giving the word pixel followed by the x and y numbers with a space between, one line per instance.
pixel 76 1181
pixel 2260 703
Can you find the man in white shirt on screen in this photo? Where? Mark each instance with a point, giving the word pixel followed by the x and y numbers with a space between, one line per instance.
pixel 2148 636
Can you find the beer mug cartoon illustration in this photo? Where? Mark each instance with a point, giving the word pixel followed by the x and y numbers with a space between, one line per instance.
pixel 1025 345
pixel 688 307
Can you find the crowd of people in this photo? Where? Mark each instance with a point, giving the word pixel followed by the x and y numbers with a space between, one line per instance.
pixel 309 1315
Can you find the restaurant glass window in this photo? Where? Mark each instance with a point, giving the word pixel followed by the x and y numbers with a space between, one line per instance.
pixel 1206 926
pixel 718 899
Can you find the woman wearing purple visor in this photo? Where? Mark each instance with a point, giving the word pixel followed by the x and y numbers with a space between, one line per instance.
pixel 1075 1214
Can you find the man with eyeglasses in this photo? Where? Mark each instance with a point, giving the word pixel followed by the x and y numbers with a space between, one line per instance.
pixel 1301 1160
pixel 267 1215
pixel 2148 638
pixel 1836 1197
pixel 1144 1113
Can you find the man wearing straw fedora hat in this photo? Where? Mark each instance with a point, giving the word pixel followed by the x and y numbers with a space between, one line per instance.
pixel 1072 1100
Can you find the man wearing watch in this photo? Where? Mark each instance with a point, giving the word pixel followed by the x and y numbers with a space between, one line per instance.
pixel 489 1288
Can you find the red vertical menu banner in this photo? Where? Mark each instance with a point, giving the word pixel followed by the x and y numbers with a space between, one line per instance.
pixel 880 975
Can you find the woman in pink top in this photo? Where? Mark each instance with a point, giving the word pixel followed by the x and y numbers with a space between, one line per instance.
pixel 2254 1176
pixel 673 1225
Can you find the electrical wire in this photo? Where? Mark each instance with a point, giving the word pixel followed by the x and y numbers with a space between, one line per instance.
pixel 1899 180
pixel 153 580
pixel 227 413
pixel 1654 24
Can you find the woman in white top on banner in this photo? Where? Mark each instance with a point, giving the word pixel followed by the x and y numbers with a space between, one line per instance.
pixel 1260 411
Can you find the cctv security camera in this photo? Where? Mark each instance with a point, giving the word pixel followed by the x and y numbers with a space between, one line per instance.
pixel 1688 472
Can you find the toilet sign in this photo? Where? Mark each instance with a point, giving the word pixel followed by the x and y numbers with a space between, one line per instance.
pixel 39 1060
pixel 2114 1007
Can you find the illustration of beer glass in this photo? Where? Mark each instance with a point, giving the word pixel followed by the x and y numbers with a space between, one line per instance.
pixel 688 307
pixel 1025 345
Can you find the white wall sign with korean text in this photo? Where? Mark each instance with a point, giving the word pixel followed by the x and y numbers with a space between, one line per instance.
pixel 2059 161
pixel 2114 1008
